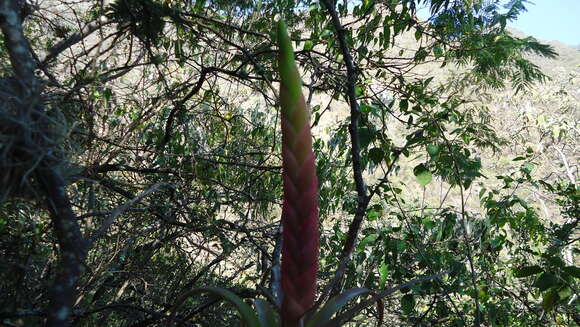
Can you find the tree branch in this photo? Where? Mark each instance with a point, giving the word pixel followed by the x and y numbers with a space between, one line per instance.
pixel 52 183
pixel 72 247
pixel 87 30
pixel 18 47
pixel 119 211
pixel 361 190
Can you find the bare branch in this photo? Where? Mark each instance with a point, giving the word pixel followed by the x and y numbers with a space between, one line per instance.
pixel 74 39
pixel 361 189
pixel 120 210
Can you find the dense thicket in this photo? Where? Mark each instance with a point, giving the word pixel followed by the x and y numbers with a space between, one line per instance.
pixel 140 158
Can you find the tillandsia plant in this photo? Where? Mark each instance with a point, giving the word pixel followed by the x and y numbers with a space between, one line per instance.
pixel 300 247
pixel 300 208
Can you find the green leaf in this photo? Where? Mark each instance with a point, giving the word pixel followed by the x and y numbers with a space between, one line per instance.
pixel 428 223
pixel 199 5
pixel 107 94
pixel 364 108
pixel 326 34
pixel 333 305
pixel 373 215
pixel 432 149
pixel 572 271
pixel 365 136
pixel 438 52
pixel 553 259
pixel 308 45
pixel 407 303
pixel 418 33
pixel 376 155
pixel 421 54
pixel 404 105
pixel 527 271
pixel 383 274
pixel 422 174
pixel 529 166
pixel 369 239
pixel 565 292
pixel 359 90
pixel 386 35
pixel 545 281
pixel 550 299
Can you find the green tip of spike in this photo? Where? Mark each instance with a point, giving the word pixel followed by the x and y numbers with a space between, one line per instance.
pixel 289 76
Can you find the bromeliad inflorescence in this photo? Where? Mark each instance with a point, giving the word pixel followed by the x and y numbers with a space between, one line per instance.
pixel 300 208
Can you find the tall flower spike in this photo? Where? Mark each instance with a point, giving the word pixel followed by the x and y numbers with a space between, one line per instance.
pixel 300 209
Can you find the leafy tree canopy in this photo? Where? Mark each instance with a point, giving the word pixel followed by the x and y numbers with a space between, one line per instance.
pixel 140 158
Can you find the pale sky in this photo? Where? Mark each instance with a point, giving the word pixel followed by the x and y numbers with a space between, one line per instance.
pixel 551 20
pixel 546 20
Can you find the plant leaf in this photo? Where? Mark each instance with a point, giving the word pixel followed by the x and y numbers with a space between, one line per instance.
pixel 545 281
pixel 407 303
pixel 376 298
pixel 423 175
pixel 527 271
pixel 247 315
pixel 573 271
pixel 432 149
pixel 550 299
pixel 376 155
pixel 322 317
pixel 383 274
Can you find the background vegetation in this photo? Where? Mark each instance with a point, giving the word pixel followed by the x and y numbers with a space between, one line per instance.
pixel 140 158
